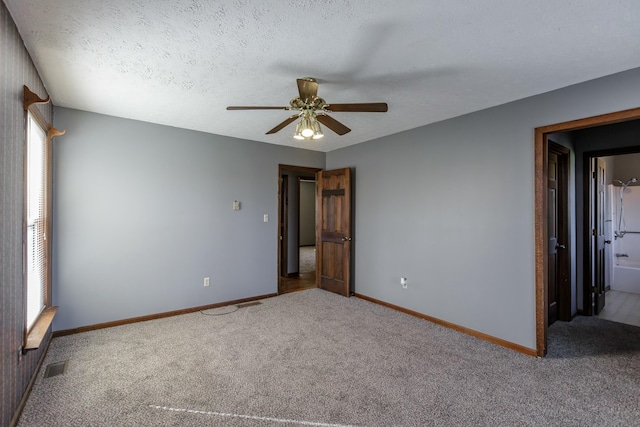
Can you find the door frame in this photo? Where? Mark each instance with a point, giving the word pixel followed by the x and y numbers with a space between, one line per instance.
pixel 541 146
pixel 282 170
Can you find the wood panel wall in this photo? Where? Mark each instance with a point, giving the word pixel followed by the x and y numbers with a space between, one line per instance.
pixel 16 70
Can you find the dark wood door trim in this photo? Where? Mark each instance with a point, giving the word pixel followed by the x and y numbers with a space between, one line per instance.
pixel 540 215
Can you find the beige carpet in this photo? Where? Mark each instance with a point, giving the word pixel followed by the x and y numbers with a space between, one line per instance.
pixel 313 358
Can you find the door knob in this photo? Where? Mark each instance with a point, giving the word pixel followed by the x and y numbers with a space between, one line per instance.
pixel 559 246
pixel 608 242
pixel 345 239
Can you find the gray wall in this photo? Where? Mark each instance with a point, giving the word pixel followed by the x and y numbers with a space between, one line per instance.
pixel 143 212
pixel 609 165
pixel 627 166
pixel 450 206
pixel 307 213
pixel 17 70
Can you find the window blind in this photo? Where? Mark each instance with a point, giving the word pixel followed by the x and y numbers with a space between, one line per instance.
pixel 36 209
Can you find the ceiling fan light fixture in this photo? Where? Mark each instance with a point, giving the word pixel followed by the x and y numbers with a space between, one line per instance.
pixel 307 127
pixel 308 104
pixel 317 131
pixel 298 132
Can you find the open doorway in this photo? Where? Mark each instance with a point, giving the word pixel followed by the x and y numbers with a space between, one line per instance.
pixel 586 192
pixel 297 228
pixel 616 215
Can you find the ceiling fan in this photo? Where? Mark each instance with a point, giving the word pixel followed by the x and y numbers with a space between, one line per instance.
pixel 313 109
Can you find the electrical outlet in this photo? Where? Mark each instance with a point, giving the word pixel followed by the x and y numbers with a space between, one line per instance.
pixel 206 281
pixel 403 282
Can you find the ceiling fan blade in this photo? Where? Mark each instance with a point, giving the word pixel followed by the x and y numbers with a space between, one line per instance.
pixel 333 124
pixel 308 89
pixel 371 107
pixel 256 108
pixel 283 124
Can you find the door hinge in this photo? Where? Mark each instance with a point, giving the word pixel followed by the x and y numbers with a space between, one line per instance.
pixel 594 174
pixel 594 232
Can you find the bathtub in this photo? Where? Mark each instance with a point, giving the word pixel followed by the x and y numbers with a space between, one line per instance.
pixel 626 276
pixel 626 270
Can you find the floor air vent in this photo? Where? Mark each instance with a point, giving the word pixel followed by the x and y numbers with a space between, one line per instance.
pixel 54 369
pixel 248 304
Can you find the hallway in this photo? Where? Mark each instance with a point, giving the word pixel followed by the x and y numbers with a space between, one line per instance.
pixel 307 274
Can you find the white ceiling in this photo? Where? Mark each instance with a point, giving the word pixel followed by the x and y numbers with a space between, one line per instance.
pixel 182 62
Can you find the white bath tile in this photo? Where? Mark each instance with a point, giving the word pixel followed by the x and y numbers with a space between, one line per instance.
pixel 606 316
pixel 627 306
pixel 624 313
pixel 622 307
pixel 634 314
pixel 612 306
pixel 614 296
pixel 607 311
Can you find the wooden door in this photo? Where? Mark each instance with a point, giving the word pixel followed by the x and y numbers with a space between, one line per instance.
pixel 598 273
pixel 553 282
pixel 333 230
pixel 558 282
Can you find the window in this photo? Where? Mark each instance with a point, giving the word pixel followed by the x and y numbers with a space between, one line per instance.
pixel 37 221
pixel 37 224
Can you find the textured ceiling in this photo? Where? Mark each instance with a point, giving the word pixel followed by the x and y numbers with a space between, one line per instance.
pixel 180 63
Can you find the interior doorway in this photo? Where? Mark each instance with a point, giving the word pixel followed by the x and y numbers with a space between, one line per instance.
pixel 297 228
pixel 585 287
pixel 615 248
